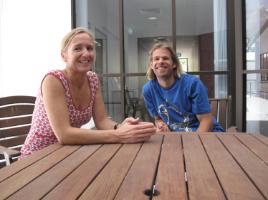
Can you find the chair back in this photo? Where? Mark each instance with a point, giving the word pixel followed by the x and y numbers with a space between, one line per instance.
pixel 220 110
pixel 15 120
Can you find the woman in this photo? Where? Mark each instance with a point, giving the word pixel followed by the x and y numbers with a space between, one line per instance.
pixel 68 99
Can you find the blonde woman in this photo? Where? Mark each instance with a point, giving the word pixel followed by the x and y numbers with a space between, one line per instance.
pixel 70 97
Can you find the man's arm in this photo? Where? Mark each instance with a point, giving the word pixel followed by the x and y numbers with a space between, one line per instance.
pixel 205 121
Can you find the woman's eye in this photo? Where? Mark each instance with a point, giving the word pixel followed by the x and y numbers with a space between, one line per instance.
pixel 90 48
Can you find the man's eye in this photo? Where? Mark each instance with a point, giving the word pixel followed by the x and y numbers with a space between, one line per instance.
pixel 77 48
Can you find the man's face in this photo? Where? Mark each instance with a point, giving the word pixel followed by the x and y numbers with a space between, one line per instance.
pixel 162 64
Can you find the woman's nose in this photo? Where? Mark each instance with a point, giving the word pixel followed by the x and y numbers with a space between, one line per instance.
pixel 87 52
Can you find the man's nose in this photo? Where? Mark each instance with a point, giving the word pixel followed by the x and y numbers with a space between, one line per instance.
pixel 161 60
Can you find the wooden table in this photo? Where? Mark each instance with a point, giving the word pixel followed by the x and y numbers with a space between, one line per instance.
pixel 169 166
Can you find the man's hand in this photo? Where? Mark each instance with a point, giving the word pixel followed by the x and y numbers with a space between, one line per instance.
pixel 161 126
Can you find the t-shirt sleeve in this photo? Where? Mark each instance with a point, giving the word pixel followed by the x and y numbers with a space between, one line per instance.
pixel 148 100
pixel 199 98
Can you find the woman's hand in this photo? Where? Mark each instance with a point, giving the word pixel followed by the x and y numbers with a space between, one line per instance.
pixel 130 120
pixel 133 131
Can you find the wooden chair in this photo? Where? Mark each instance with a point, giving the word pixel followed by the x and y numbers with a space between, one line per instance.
pixel 220 109
pixel 15 121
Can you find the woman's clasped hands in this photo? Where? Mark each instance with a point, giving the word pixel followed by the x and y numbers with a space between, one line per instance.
pixel 132 130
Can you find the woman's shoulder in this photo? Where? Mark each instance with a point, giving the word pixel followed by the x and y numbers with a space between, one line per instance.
pixel 93 79
pixel 56 73
pixel 92 75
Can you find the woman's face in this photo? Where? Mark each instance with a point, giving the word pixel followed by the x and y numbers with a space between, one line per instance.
pixel 80 53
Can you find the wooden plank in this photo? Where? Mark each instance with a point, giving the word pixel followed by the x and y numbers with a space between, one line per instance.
pixel 202 181
pixel 170 181
pixel 234 181
pixel 18 166
pixel 15 110
pixel 19 180
pixel 14 141
pixel 107 183
pixel 45 182
pixel 142 173
pixel 255 145
pixel 262 138
pixel 20 120
pixel 223 107
pixel 254 167
pixel 214 108
pixel 73 185
pixel 22 130
pixel 17 99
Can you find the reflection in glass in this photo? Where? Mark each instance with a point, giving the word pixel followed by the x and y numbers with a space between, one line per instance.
pixel 215 90
pixel 200 41
pixel 102 19
pixel 257 104
pixel 134 101
pixel 188 53
pixel 257 59
pixel 145 22
pixel 202 38
pixel 256 34
pixel 111 91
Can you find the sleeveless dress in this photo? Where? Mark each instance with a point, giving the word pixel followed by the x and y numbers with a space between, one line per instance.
pixel 41 133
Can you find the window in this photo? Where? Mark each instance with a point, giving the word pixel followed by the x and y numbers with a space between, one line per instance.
pixel 256 66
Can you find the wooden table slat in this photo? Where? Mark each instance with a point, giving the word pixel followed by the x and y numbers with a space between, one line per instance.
pixel 217 166
pixel 74 184
pixel 107 183
pixel 170 181
pixel 254 167
pixel 18 166
pixel 14 183
pixel 44 183
pixel 141 174
pixel 262 138
pixel 255 145
pixel 234 181
pixel 202 181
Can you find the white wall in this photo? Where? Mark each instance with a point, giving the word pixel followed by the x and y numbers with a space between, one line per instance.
pixel 30 36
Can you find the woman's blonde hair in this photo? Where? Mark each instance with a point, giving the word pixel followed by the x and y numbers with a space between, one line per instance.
pixel 69 36
pixel 177 70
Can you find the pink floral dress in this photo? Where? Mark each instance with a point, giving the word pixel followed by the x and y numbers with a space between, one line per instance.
pixel 41 133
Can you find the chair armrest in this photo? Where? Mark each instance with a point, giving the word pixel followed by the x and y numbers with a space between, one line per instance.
pixel 8 154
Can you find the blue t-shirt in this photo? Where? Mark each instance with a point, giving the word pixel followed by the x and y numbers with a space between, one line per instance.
pixel 178 105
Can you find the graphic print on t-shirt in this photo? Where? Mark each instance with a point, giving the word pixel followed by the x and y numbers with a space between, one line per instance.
pixel 166 110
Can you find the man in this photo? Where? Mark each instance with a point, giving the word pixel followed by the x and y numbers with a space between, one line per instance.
pixel 177 101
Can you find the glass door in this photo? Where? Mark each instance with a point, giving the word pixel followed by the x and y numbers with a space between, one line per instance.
pixel 256 69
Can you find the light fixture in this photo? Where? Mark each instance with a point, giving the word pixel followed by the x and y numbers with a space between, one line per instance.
pixel 152 18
